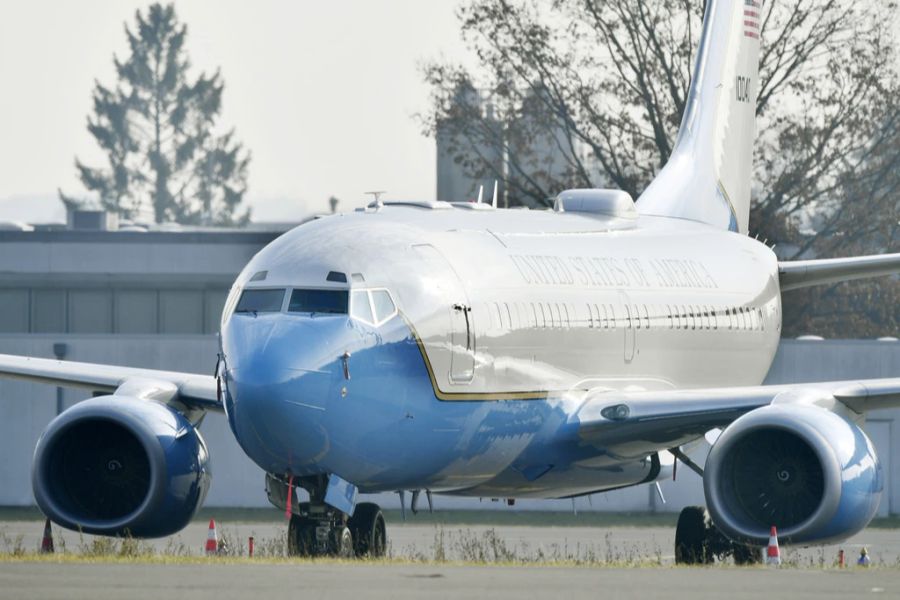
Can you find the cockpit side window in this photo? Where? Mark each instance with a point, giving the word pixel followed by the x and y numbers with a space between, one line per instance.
pixel 383 304
pixel 360 308
pixel 374 307
pixel 332 302
pixel 258 301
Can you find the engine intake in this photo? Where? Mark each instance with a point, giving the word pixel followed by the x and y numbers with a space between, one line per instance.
pixel 116 465
pixel 804 469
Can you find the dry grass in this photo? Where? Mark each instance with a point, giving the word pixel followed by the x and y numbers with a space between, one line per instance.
pixel 449 548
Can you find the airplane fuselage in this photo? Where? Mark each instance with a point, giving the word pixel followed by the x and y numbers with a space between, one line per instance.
pixel 460 343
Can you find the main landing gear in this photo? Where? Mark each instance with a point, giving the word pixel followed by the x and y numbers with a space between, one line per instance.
pixel 322 530
pixel 699 542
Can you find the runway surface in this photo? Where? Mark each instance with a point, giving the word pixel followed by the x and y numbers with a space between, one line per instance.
pixel 198 582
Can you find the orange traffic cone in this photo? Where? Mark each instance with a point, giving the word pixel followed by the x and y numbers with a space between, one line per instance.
pixel 47 540
pixel 212 539
pixel 773 554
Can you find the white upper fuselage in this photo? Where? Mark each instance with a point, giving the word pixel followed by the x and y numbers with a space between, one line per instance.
pixel 522 304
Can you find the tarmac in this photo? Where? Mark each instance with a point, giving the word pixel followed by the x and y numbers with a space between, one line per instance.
pixel 27 581
pixel 419 568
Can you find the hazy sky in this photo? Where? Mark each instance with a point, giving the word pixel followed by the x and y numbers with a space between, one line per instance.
pixel 321 92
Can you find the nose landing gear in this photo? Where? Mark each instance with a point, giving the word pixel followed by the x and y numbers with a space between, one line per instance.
pixel 332 533
pixel 319 529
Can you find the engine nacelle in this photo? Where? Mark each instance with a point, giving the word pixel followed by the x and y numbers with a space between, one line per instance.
pixel 117 465
pixel 802 468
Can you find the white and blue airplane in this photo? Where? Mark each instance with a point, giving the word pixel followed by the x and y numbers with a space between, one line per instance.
pixel 457 348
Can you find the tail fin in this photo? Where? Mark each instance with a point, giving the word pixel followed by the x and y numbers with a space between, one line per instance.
pixel 707 178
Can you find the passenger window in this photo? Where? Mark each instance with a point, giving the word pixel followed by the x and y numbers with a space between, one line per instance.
pixel 646 316
pixel 612 316
pixel 715 317
pixel 257 301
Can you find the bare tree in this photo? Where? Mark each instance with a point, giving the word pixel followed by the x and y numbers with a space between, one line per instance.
pixel 613 77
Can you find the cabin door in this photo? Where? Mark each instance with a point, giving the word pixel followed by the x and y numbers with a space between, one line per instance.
pixel 462 325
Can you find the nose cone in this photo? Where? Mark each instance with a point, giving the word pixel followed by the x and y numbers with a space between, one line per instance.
pixel 281 374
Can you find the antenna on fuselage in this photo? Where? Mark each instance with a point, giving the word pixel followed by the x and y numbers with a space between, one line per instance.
pixel 377 203
pixel 494 200
pixel 480 194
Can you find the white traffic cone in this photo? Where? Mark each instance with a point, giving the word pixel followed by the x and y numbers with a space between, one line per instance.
pixel 212 539
pixel 773 554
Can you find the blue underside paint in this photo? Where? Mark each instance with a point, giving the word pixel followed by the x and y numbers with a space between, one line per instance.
pixel 388 431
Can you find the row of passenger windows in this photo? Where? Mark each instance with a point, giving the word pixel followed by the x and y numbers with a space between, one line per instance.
pixel 373 306
pixel 556 315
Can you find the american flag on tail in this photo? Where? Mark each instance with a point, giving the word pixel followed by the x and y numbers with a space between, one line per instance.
pixel 752 18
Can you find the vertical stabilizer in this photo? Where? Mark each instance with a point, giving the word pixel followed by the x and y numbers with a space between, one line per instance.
pixel 707 177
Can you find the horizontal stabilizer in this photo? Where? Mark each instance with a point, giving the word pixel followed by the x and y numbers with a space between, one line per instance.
pixel 804 273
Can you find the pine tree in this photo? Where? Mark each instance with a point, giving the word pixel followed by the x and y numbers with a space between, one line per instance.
pixel 157 127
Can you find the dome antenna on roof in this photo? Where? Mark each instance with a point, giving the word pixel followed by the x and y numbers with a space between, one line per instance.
pixel 378 202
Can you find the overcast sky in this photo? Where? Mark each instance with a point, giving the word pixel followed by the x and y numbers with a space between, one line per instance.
pixel 322 92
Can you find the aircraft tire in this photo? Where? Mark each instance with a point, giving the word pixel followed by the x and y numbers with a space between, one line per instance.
pixel 342 542
pixel 369 531
pixel 301 539
pixel 691 535
pixel 745 554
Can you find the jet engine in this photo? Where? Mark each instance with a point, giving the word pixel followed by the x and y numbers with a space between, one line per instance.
pixel 802 468
pixel 117 465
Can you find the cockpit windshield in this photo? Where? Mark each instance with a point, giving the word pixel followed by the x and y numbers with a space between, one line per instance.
pixel 319 301
pixel 372 306
pixel 257 301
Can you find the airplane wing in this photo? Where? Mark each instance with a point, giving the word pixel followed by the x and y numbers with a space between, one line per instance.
pixel 195 391
pixel 804 273
pixel 633 424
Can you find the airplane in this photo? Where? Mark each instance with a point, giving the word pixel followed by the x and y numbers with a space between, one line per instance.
pixel 463 349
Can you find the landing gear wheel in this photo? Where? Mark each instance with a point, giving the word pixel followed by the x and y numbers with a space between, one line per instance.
pixel 369 531
pixel 341 542
pixel 301 540
pixel 745 554
pixel 691 535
